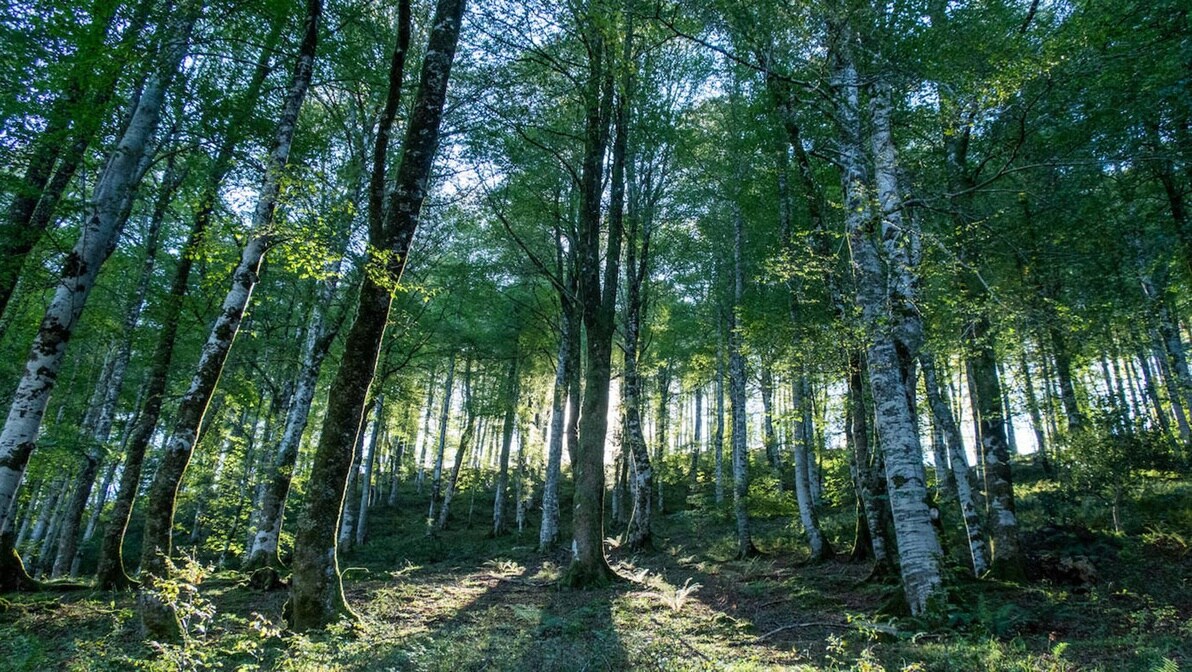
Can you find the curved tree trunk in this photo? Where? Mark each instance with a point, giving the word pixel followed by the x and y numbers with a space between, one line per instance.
pixel 886 299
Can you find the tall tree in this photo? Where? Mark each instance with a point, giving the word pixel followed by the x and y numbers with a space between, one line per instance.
pixel 105 219
pixel 316 593
pixel 158 617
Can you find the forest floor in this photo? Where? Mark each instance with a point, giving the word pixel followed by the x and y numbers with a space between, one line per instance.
pixel 464 601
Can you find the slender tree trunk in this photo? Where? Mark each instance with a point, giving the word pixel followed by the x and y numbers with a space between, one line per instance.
pixel 548 533
pixel 465 440
pixel 424 435
pixel 347 516
pixel 736 376
pixel 768 437
pixel 500 522
pixel 158 618
pixel 662 440
pixel 697 437
pixel 316 591
pixel 271 509
pixel 1063 373
pixel 937 399
pixel 1032 407
pixel 1006 561
pixel 718 437
pixel 436 480
pixel 800 393
pixel 1171 386
pixel 366 487
pixel 633 440
pixel 102 228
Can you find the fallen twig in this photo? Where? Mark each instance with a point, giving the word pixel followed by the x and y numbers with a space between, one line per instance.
pixel 796 626
pixel 682 641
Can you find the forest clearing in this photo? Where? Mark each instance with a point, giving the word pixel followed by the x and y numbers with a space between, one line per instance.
pixel 596 335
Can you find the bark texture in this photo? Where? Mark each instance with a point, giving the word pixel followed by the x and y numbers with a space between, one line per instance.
pixel 316 593
pixel 157 617
pixel 105 219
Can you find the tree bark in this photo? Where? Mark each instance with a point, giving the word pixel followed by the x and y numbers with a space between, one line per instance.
pixel 157 617
pixel 436 480
pixel 101 231
pixel 316 591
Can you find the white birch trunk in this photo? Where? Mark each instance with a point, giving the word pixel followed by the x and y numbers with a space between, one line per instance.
pixel 436 480
pixel 548 533
pixel 366 482
pixel 104 222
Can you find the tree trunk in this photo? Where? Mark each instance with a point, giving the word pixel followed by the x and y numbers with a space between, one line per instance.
pixel 662 440
pixel 597 301
pixel 102 228
pixel 892 325
pixel 937 399
pixel 158 618
pixel 736 390
pixel 367 475
pixel 271 508
pixel 697 437
pixel 633 440
pixel 465 440
pixel 548 533
pixel 424 435
pixel 1006 561
pixel 316 591
pixel 87 92
pixel 820 548
pixel 436 480
pixel 500 523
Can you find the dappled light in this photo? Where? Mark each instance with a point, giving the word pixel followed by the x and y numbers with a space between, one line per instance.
pixel 449 335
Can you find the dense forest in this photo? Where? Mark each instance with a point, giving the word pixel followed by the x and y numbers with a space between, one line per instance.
pixel 597 334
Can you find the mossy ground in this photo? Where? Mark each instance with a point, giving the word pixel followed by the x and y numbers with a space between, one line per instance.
pixel 463 601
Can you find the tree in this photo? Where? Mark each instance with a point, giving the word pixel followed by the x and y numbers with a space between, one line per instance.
pixel 316 594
